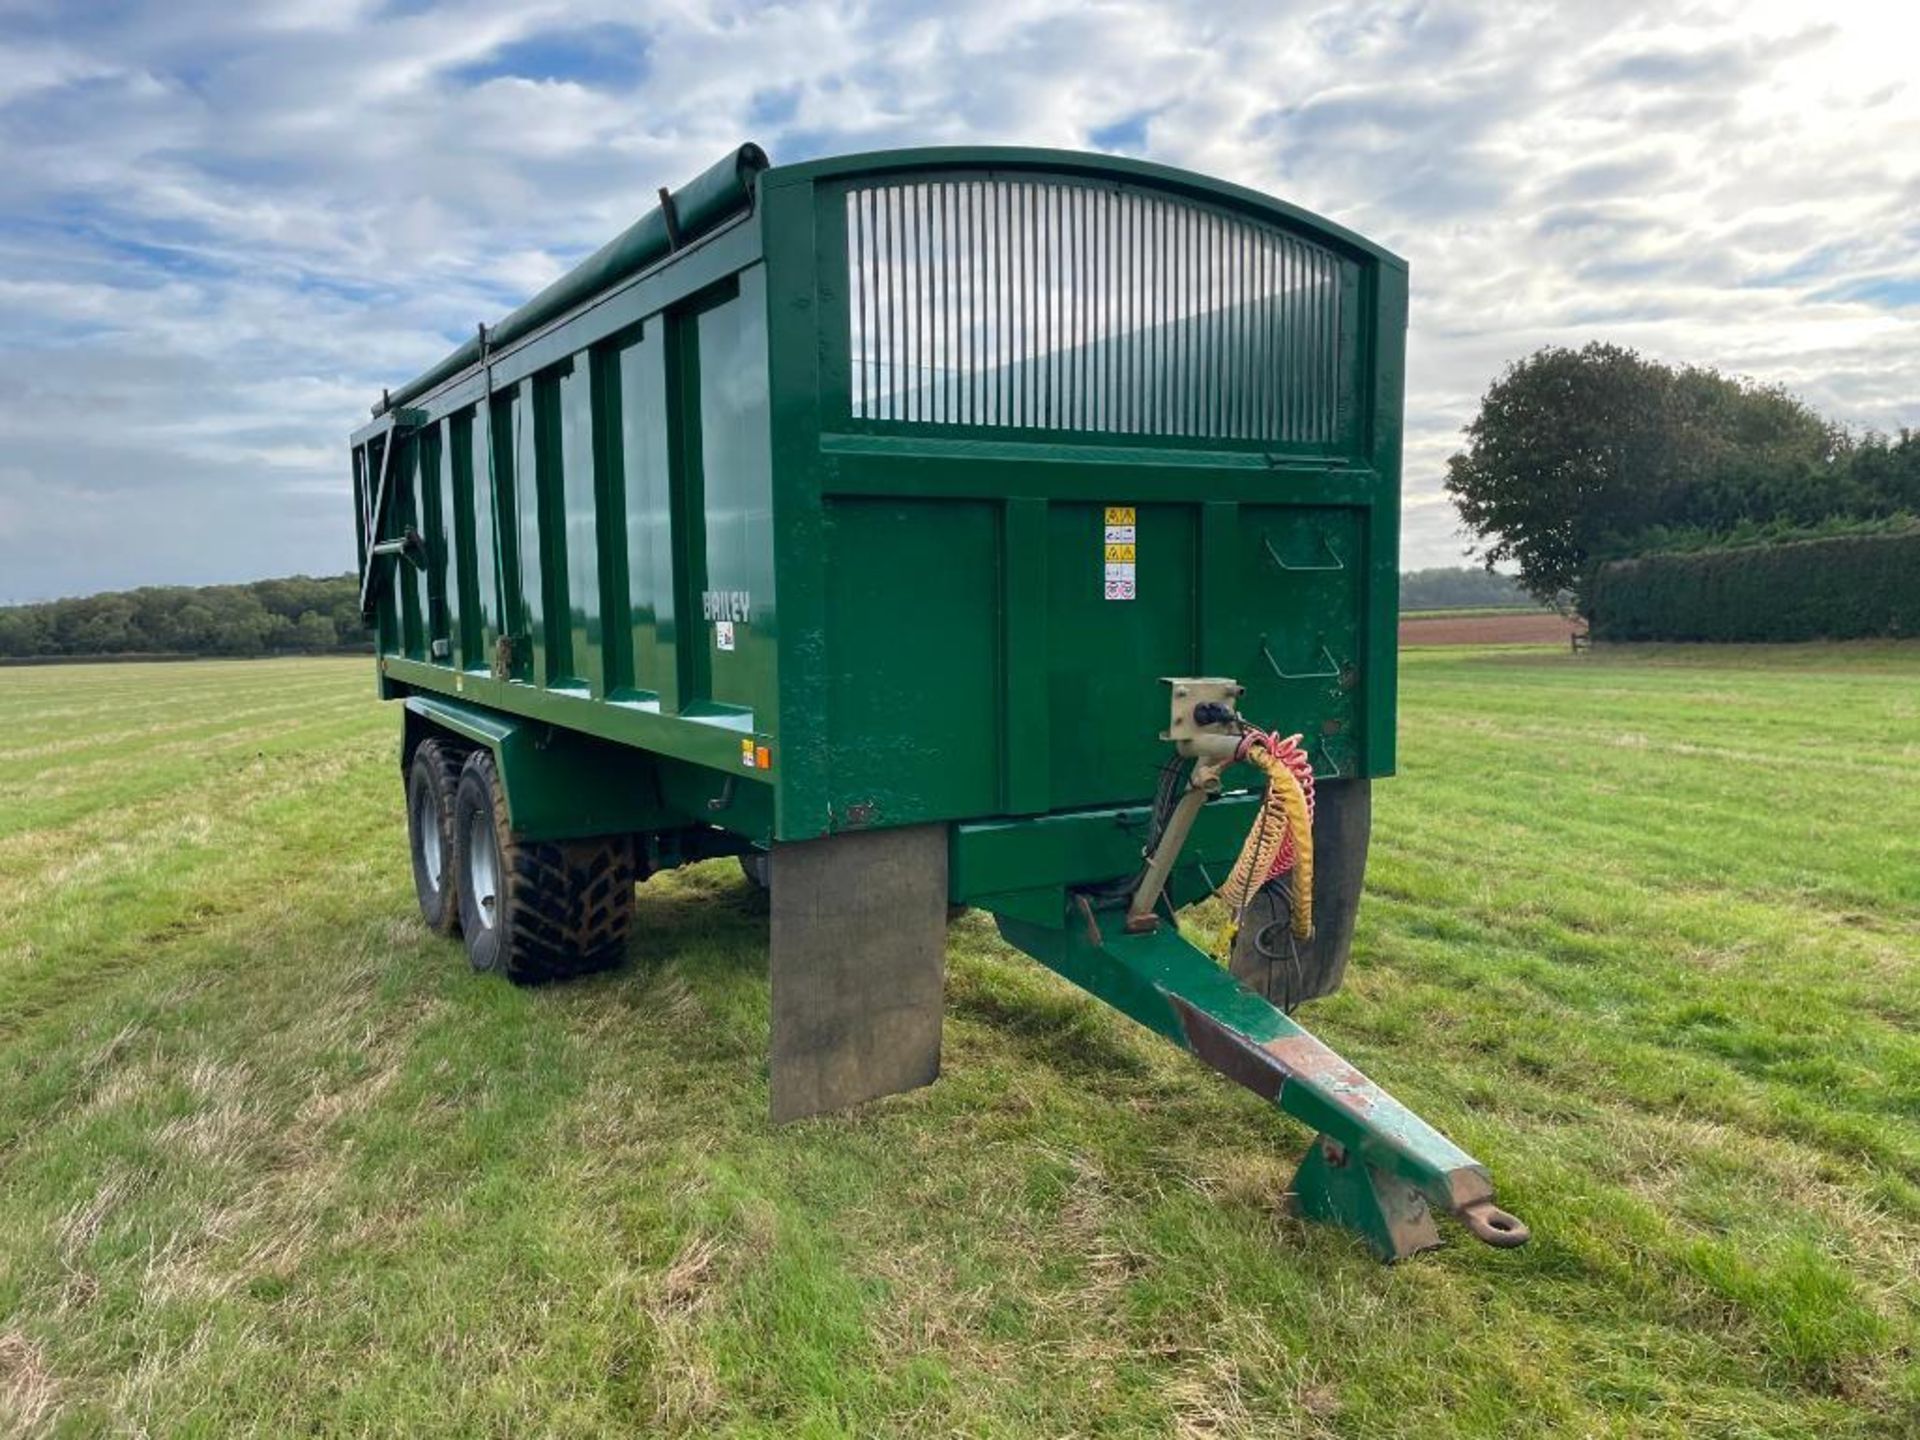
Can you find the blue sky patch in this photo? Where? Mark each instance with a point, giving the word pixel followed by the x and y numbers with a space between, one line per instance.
pixel 773 107
pixel 1892 292
pixel 1126 136
pixel 598 57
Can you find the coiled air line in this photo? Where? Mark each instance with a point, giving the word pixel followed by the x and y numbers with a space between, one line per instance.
pixel 1206 728
pixel 1282 835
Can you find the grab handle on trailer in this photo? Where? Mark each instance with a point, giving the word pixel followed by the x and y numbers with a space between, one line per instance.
pixel 1329 674
pixel 1325 544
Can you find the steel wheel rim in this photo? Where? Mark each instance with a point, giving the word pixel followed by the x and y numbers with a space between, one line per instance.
pixel 483 871
pixel 426 824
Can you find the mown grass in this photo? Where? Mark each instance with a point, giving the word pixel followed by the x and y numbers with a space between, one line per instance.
pixel 1641 934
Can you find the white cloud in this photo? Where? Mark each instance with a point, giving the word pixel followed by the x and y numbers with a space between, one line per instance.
pixel 221 231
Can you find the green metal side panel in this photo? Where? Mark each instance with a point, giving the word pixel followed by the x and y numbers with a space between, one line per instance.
pixel 736 587
pixel 912 621
pixel 1385 400
pixel 587 511
pixel 796 293
pixel 645 474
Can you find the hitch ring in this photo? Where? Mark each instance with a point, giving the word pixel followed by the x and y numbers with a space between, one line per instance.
pixel 1494 1226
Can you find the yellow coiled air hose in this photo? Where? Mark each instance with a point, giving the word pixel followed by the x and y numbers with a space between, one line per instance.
pixel 1284 815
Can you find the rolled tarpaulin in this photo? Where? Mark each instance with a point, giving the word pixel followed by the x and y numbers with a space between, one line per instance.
pixel 716 194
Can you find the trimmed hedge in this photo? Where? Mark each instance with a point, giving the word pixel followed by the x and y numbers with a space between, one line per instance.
pixel 1845 588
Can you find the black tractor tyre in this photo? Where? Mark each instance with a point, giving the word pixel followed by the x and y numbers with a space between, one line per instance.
pixel 432 779
pixel 1266 956
pixel 536 910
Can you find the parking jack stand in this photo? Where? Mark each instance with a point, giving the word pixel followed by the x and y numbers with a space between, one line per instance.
pixel 1389 1214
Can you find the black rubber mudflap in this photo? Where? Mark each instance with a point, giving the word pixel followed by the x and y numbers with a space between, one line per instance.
pixel 1265 955
pixel 858 958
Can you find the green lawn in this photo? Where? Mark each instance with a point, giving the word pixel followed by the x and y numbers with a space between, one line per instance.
pixel 1642 935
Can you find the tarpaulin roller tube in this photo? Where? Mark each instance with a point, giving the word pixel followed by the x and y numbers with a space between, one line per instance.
pixel 716 194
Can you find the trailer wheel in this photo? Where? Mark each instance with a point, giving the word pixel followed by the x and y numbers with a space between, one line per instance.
pixel 536 910
pixel 432 779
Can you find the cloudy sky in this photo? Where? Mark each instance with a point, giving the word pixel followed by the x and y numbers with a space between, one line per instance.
pixel 223 227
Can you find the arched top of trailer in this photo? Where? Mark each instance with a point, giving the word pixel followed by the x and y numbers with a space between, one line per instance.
pixel 1015 160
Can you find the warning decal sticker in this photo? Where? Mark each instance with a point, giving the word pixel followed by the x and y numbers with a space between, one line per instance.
pixel 1118 546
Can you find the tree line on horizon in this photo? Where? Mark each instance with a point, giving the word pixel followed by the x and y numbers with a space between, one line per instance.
pixel 297 615
pixel 1461 587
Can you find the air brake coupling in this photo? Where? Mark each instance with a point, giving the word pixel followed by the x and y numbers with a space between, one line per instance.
pixel 1205 723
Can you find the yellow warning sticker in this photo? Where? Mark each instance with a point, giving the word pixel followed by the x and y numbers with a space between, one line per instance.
pixel 1117 545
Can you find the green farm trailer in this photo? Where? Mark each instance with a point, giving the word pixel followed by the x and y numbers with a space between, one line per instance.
pixel 930 529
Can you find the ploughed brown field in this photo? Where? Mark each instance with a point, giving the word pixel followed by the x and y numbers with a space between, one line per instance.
pixel 1519 627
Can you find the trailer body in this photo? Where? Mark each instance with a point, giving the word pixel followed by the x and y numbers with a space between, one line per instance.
pixel 877 494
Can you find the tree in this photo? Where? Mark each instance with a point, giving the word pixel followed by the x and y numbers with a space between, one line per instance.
pixel 23 631
pixel 298 613
pixel 1570 449
pixel 1456 588
pixel 314 633
pixel 1578 454
pixel 1887 471
pixel 105 628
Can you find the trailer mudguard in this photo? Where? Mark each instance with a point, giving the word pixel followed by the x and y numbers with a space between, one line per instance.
pixel 560 784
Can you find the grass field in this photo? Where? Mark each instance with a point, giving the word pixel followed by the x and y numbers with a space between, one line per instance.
pixel 1641 935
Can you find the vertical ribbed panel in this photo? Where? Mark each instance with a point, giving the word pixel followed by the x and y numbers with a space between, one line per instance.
pixel 1060 306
